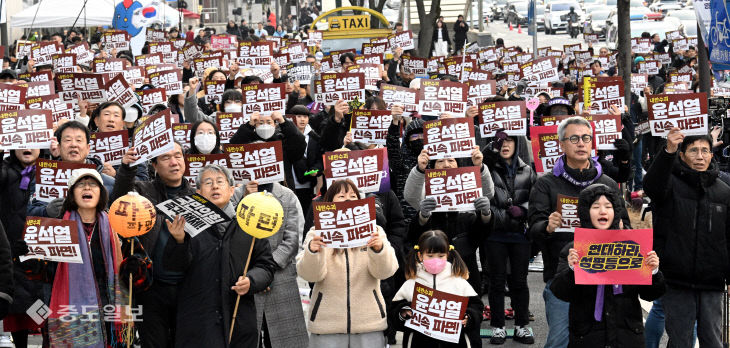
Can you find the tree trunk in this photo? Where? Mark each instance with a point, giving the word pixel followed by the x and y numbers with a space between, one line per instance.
pixel 427 24
pixel 378 7
pixel 624 43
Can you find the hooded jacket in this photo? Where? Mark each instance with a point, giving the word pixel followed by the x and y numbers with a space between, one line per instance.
pixel 691 223
pixel 621 324
pixel 402 157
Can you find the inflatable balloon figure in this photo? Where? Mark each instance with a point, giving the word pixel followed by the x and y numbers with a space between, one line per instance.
pixel 134 17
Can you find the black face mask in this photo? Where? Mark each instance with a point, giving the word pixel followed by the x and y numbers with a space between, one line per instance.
pixel 415 146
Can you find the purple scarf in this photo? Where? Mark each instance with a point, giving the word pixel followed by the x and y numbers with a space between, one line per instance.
pixel 559 170
pixel 25 176
pixel 598 311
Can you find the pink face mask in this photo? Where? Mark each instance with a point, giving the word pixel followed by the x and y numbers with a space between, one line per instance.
pixel 434 266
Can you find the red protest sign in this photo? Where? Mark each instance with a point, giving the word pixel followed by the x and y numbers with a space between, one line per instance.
pixel 540 71
pixel 255 54
pixel 214 91
pixel 650 67
pixel 481 90
pixel 83 54
pixel 152 96
pixel 454 189
pixel 170 80
pixel 195 163
pixel 314 38
pixel 153 137
pixel 568 208
pixel 118 90
pixel 228 124
pixel 12 97
pixel 449 137
pixel 109 147
pixel 371 72
pixel 415 65
pixel 223 42
pixel 641 45
pixel 368 169
pixel 402 39
pixel 263 162
pixel 686 111
pixel 51 178
pixel 436 97
pixel 613 256
pixel 154 35
pixel 59 108
pixel 39 89
pixel 264 98
pixel 607 128
pixel 101 65
pixel 148 59
pixel 115 39
pixel 202 63
pixel 167 49
pixel 370 126
pixel 42 52
pixel 181 134
pixel 639 82
pixel 507 115
pixel 87 86
pixel 44 75
pixel 26 129
pixel 369 59
pixel 52 240
pixel 64 62
pixel 604 92
pixel 437 314
pixel 475 74
pixel 546 147
pixel 347 224
pixel 404 96
pixel 374 48
pixel 335 86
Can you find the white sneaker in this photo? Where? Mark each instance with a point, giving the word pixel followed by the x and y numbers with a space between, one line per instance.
pixel 5 342
pixel 499 335
pixel 523 335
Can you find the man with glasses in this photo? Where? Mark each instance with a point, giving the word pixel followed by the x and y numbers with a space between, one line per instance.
pixel 573 172
pixel 691 236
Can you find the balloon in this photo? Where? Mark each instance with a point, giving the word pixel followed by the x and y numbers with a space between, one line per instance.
pixel 260 214
pixel 132 215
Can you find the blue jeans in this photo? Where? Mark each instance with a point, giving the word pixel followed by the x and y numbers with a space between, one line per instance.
pixel 557 312
pixel 654 326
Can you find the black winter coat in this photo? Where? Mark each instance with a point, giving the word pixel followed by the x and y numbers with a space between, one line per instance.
pixel 464 229
pixel 292 143
pixel 402 159
pixel 313 160
pixel 7 285
pixel 691 223
pixel 510 191
pixel 333 133
pixel 212 262
pixel 444 35
pixel 14 204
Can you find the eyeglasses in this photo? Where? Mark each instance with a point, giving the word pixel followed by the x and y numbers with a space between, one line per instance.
pixel 88 184
pixel 696 150
pixel 587 138
pixel 219 183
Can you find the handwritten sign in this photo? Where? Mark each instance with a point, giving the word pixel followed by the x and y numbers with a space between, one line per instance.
pixel 343 225
pixel 686 111
pixel 613 256
pixel 52 240
pixel 454 189
pixel 449 137
pixel 368 169
pixel 437 314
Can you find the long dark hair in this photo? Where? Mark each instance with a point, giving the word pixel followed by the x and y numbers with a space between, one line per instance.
pixel 435 241
pixel 340 185
pixel 193 150
pixel 69 203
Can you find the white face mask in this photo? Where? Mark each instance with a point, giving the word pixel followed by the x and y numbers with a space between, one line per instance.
pixel 205 143
pixel 265 131
pixel 233 108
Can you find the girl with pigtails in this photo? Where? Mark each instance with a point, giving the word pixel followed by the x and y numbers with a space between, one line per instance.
pixel 434 263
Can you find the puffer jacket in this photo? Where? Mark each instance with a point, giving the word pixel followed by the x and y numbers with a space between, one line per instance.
pixel 691 223
pixel 346 295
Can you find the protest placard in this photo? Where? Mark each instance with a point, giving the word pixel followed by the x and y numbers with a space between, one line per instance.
pixel 402 39
pixel 540 71
pixel 686 111
pixel 264 98
pixel 102 65
pixel 84 55
pixel 153 137
pixel 214 91
pixel 314 38
pixel 639 82
pixel 301 72
pixel 681 44
pixel 397 95
pixel 118 90
pixel 53 240
pixel 223 42
pixel 602 94
pixel 109 147
pixel 590 38
pixel 203 63
pixel 641 45
pixel 26 129
pixel 263 162
pixel 606 129
pixel 43 75
pixel 448 137
pixel 170 80
pixel 200 214
pixel 42 52
pixel 335 86
pixel 568 208
pixel 613 256
pixel 437 96
pixel 228 124
pixel 680 77
pixel 151 97
pixel 663 58
pixel 191 51
pixel 454 189
pixel 507 115
pixel 371 73
pixel 22 48
pixel 370 126
pixel 86 86
pixel 545 147
pixel 38 89
pixel 64 62
pixel 194 163
pixel 649 66
pixel 51 178
pixel 59 108
pixel 255 54
pixel 155 35
pixel 480 90
pixel 12 97
pixel 343 225
pixel 181 134
pixel 368 169
pixel 148 59
pixel 374 48
pixel 437 314
pixel 415 65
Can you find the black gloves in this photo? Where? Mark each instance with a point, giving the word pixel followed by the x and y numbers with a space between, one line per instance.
pixel 623 149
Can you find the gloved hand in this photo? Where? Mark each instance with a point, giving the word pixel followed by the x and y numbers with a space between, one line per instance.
pixel 4 308
pixel 380 218
pixel 428 205
pixel 482 205
pixel 623 149
pixel 516 211
pixel 55 208
pixel 19 248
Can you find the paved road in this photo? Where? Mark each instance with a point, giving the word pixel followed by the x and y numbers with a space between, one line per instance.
pixel 499 29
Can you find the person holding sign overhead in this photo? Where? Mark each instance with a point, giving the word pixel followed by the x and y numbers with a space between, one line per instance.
pixel 604 315
pixel 348 308
pixel 212 263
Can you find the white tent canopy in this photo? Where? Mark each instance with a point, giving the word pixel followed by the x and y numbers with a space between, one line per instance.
pixel 63 13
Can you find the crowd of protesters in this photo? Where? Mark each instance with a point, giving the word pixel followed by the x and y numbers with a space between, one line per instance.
pixel 360 297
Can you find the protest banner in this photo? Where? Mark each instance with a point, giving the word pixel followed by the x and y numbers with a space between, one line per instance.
pixel 264 98
pixel 371 73
pixel 540 71
pixel 118 90
pixel 602 93
pixel 479 90
pixel 606 129
pixel 449 137
pixel 170 80
pixel 153 137
pixel 26 129
pixel 370 126
pixel 507 115
pixel 297 53
pixel 44 75
pixel 42 52
pixel 51 178
pixel 343 225
pixel 263 162
pixel 686 111
pixel 255 54
pixel 368 169
pixel 103 65
pixel 84 55
pixel 402 39
pixel 415 65
pixel 200 214
pixel 437 314
pixel 437 96
pixel 38 89
pixel 59 109
pixel 454 189
pixel 613 256
pixel 151 97
pixel 397 95
pixel 214 91
pixel 545 147
pixel 228 124
pixel 64 62
pixel 335 86
pixel 12 97
pixel 86 86
pixel 181 134
pixel 196 162
pixel 109 147
pixel 301 72
pixel 53 240
pixel 568 208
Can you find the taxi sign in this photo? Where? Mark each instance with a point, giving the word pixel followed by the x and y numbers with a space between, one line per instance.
pixel 357 22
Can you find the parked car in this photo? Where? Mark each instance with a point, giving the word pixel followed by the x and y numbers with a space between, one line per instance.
pixel 540 17
pixel 554 11
pixel 517 13
pixel 687 20
pixel 638 27
pixel 596 22
pixel 507 6
pixel 497 7
pixel 665 6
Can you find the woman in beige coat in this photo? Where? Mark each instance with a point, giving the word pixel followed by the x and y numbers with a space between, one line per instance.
pixel 347 307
